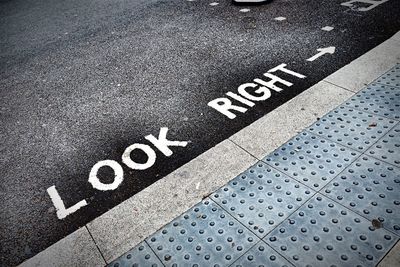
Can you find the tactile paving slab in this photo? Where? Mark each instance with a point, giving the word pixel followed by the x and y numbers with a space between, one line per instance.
pixel 262 255
pixel 352 128
pixel 139 256
pixel 324 233
pixel 262 197
pixel 388 148
pixel 311 159
pixel 370 187
pixel 206 235
pixel 378 99
pixel 391 77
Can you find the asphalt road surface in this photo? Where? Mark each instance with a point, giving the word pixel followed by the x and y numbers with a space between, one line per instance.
pixel 83 80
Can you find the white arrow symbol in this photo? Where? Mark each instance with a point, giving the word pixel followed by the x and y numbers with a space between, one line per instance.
pixel 322 51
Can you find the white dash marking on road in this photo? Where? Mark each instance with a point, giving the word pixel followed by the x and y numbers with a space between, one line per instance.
pixel 198 186
pixel 327 28
pixel 244 10
pixel 214 4
pixel 280 18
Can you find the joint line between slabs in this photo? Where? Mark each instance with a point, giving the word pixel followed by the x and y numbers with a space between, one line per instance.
pixel 243 149
pixel 388 85
pixel 398 242
pixel 373 156
pixel 344 88
pixel 261 239
pixel 98 248
pixel 384 73
pixel 162 262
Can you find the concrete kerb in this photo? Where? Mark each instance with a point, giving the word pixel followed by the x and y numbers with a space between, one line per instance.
pixel 130 222
pixel 77 249
pixel 366 68
pixel 278 126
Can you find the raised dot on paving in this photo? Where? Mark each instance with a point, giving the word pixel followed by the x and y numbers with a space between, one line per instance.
pixel 351 127
pixel 371 188
pixel 311 160
pixel 388 147
pixel 378 99
pixel 205 235
pixel 261 198
pixel 324 233
pixel 141 255
pixel 261 254
pixel 391 77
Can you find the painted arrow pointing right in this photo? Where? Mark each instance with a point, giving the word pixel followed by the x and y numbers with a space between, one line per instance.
pixel 323 51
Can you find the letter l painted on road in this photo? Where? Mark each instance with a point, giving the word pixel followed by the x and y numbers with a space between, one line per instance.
pixel 62 212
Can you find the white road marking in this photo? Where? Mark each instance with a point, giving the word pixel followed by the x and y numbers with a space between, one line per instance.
pixel 151 157
pixel 372 4
pixel 214 4
pixel 280 18
pixel 62 212
pixel 261 88
pixel 327 28
pixel 198 186
pixel 118 171
pixel 244 10
pixel 163 144
pixel 323 51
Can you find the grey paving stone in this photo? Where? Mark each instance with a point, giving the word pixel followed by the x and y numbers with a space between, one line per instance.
pixel 352 128
pixel 262 197
pixel 362 71
pixel 261 255
pixel 392 259
pixel 378 99
pixel 323 233
pixel 391 77
pixel 371 188
pixel 311 159
pixel 388 148
pixel 206 235
pixel 129 223
pixel 77 249
pixel 139 256
pixel 272 130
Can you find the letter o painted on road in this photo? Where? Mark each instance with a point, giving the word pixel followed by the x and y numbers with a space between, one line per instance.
pixel 119 175
pixel 151 155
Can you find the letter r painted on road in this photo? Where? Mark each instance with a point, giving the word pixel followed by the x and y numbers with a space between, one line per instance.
pixel 224 105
